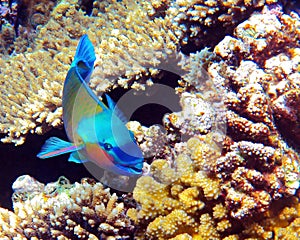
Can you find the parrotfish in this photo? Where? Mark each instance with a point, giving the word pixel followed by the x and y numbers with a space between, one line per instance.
pixel 96 132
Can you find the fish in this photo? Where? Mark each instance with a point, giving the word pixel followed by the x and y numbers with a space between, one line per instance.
pixel 96 132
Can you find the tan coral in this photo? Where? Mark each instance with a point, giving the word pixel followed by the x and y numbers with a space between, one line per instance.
pixel 258 175
pixel 152 140
pixel 33 81
pixel 175 222
pixel 279 225
pixel 18 33
pixel 130 37
pixel 271 84
pixel 257 81
pixel 255 170
pixel 203 23
pixel 83 210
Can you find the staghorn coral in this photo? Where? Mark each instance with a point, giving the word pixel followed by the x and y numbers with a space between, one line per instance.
pixel 62 210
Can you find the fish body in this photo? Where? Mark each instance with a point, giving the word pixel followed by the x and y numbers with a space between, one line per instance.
pixel 96 132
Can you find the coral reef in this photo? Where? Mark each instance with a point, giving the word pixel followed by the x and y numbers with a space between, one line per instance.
pixel 130 37
pixel 202 183
pixel 250 188
pixel 187 199
pixel 19 22
pixel 201 23
pixel 254 175
pixel 35 93
pixel 281 221
pixel 259 71
pixel 174 200
pixel 61 210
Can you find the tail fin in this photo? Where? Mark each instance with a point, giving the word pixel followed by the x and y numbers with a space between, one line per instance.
pixel 85 57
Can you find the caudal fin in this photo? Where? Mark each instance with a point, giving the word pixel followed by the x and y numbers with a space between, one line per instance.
pixel 84 58
pixel 55 146
pixel 85 51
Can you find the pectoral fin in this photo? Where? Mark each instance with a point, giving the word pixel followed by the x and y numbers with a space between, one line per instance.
pixel 55 146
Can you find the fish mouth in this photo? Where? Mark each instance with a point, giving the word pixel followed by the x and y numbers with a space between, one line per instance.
pixel 130 170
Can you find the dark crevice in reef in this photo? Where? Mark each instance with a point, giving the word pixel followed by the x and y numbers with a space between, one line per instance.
pixel 158 101
pixel 87 6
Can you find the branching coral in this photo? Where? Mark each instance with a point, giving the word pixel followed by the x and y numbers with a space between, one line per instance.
pixel 259 69
pixel 18 23
pixel 129 36
pixel 32 82
pixel 280 222
pixel 254 175
pixel 185 201
pixel 62 210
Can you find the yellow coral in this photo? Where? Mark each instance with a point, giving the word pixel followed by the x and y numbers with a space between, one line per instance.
pixel 207 229
pixel 188 198
pixel 220 211
pixel 175 222
pixel 183 236
pixel 174 208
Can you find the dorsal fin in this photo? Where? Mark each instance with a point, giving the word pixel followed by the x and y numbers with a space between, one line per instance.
pixel 113 107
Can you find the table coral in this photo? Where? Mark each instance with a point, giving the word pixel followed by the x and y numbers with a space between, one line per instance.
pixel 130 37
pixel 32 82
pixel 62 210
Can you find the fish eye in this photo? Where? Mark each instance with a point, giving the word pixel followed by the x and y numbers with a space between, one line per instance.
pixel 107 146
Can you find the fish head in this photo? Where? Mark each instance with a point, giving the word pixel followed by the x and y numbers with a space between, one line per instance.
pixel 127 158
pixel 111 145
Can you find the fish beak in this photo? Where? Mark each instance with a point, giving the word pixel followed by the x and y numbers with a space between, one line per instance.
pixel 130 170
